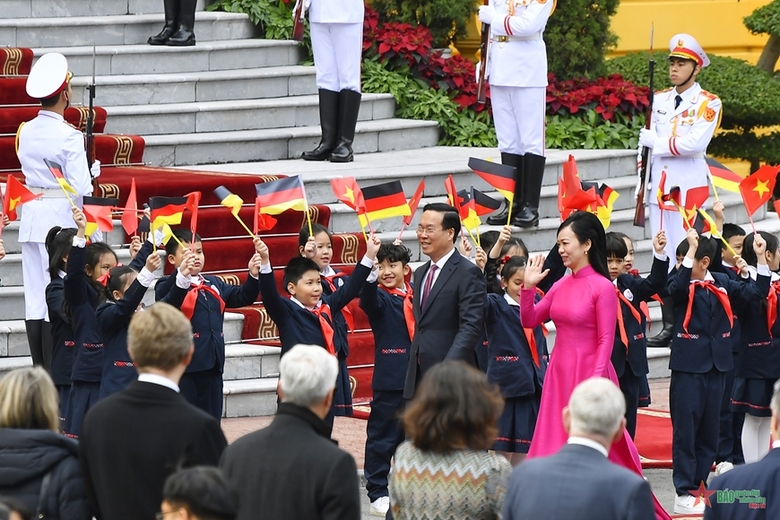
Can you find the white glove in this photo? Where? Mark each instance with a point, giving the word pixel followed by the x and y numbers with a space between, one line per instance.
pixel 487 13
pixel 638 174
pixel 97 236
pixel 477 68
pixel 647 138
pixel 95 170
pixel 306 5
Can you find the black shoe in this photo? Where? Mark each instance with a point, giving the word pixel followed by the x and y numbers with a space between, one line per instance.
pixel 185 36
pixel 182 38
pixel 349 106
pixel 664 338
pixel 34 329
pixel 533 176
pixel 162 37
pixel 516 161
pixel 171 23
pixel 329 113
pixel 526 217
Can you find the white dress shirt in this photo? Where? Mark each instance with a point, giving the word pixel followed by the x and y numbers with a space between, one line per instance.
pixel 158 380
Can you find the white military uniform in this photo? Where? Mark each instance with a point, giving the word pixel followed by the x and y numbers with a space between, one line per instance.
pixel 517 68
pixel 337 41
pixel 47 136
pixel 682 137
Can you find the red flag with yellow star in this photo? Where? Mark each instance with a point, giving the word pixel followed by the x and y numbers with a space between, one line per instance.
pixel 756 189
pixel 346 189
pixel 414 202
pixel 16 194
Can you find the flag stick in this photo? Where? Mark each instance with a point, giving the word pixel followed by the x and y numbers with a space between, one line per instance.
pixel 403 226
pixel 714 189
pixel 67 195
pixel 752 224
pixel 363 229
pixel 509 211
pixel 243 225
pixel 308 220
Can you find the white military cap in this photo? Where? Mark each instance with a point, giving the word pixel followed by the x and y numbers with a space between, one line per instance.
pixel 685 46
pixel 49 76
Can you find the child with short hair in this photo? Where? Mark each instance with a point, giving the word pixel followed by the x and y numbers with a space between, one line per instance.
pixel 701 354
pixel 629 351
pixel 386 298
pixel 307 316
pixel 204 305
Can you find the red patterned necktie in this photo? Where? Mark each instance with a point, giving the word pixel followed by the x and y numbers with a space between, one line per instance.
pixel 191 299
pixel 408 308
pixel 722 297
pixel 345 311
pixel 428 284
pixel 325 325
pixel 621 323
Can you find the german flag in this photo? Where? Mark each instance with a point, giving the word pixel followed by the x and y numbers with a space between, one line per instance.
pixel 16 194
pixel 56 171
pixel 723 178
pixel 500 176
pixel 414 202
pixel 98 213
pixel 468 211
pixel 607 198
pixel 167 210
pixel 484 204
pixel 385 201
pixel 278 196
pixel 229 199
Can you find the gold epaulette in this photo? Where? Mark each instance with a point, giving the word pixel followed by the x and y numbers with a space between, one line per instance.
pixel 709 95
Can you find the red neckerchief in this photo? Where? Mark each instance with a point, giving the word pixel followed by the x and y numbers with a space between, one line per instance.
pixel 531 338
pixel 722 297
pixel 771 308
pixel 191 299
pixel 621 324
pixel 326 326
pixel 345 311
pixel 634 272
pixel 408 308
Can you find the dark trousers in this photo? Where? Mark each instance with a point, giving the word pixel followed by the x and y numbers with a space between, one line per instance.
pixel 730 432
pixel 204 390
pixel 385 433
pixel 629 385
pixel 694 403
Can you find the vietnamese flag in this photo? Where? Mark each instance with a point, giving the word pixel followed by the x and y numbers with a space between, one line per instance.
pixel 130 211
pixel 756 189
pixel 721 177
pixel 56 171
pixel 278 196
pixel 98 213
pixel 414 202
pixel 571 177
pixel 385 200
pixel 193 199
pixel 167 210
pixel 500 176
pixel 263 222
pixel 16 194
pixel 453 196
pixel 695 199
pixel 346 190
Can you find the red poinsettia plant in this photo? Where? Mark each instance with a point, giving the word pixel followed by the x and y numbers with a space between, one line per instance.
pixel 604 95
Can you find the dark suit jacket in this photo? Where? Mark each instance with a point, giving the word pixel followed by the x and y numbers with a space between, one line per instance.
pixel 292 470
pixel 577 482
pixel 132 440
pixel 450 324
pixel 762 476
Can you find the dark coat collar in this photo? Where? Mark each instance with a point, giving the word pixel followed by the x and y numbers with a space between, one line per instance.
pixel 305 415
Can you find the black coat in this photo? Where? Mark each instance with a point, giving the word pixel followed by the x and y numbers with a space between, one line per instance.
pixel 26 457
pixel 292 470
pixel 132 440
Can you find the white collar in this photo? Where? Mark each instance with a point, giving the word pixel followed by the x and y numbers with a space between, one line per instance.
pixel 689 94
pixel 707 277
pixel 158 380
pixel 301 305
pixel 776 444
pixel 52 115
pixel 443 260
pixel 328 271
pixel 62 274
pixel 510 301
pixel 590 443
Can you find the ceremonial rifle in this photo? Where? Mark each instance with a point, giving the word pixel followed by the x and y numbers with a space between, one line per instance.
pixel 639 212
pixel 90 129
pixel 297 33
pixel 483 60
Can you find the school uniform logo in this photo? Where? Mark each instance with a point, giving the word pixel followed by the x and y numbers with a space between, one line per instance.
pixel 629 295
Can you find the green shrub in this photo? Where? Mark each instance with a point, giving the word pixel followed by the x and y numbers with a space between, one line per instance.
pixel 446 19
pixel 765 19
pixel 591 131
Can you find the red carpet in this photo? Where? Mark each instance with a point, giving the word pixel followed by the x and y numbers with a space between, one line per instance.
pixel 654 438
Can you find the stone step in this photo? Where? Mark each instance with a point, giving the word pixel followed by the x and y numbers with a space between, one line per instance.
pixel 116 30
pixel 220 85
pixel 283 143
pixel 228 116
pixel 148 59
pixel 244 361
pixel 250 397
pixel 51 8
pixel 11 235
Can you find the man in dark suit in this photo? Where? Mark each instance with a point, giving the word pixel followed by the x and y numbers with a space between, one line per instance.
pixel 132 440
pixel 292 469
pixel 750 492
pixel 579 481
pixel 449 297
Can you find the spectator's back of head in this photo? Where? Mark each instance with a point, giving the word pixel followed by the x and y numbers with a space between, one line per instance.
pixel 596 409
pixel 203 492
pixel 28 400
pixel 160 338
pixel 307 375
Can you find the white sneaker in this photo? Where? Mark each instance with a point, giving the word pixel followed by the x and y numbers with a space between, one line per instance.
pixel 723 467
pixel 685 505
pixel 380 506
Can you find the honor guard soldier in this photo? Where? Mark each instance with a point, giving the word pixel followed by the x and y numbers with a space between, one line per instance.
pixel 517 68
pixel 47 136
pixel 684 119
pixel 337 41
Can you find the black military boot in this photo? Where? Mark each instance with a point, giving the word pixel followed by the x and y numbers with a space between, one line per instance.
pixel 664 338
pixel 34 330
pixel 185 36
pixel 533 175
pixel 500 219
pixel 171 23
pixel 349 106
pixel 329 114
pixel 47 344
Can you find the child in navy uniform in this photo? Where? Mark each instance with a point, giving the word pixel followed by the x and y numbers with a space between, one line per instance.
pixel 701 354
pixel 629 352
pixel 388 305
pixel 759 359
pixel 307 316
pixel 83 293
pixel 204 305
pixel 58 244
